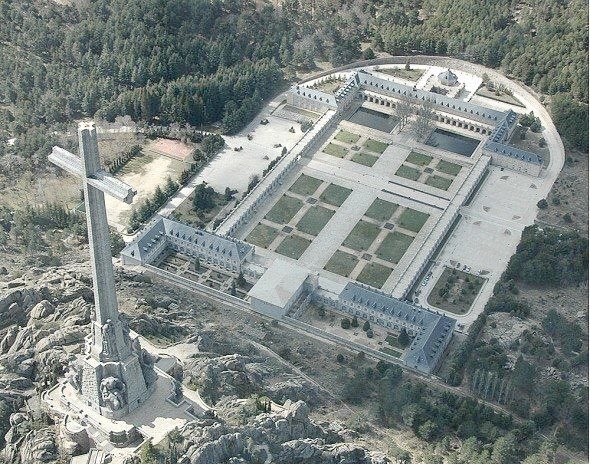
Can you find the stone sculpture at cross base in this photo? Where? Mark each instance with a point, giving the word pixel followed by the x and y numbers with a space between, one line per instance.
pixel 115 375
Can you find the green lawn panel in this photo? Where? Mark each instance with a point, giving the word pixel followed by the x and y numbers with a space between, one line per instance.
pixel 305 185
pixel 413 220
pixel 374 274
pixel 293 246
pixel 365 159
pixel 262 235
pixel 381 210
pixel 284 210
pixel 375 146
pixel 335 150
pixel 408 172
pixel 449 168
pixel 361 236
pixel 335 194
pixel 419 159
pixel 394 246
pixel 341 263
pixel 347 137
pixel 314 220
pixel 439 182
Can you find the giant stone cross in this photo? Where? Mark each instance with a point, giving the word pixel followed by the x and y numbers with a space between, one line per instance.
pixel 114 375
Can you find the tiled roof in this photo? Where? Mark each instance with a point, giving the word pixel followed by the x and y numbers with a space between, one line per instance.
pixel 498 141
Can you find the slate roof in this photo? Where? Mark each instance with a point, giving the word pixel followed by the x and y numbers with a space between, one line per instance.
pixel 316 95
pixel 162 227
pixel 502 121
pixel 498 141
pixel 447 77
pixel 443 102
pixel 351 85
pixel 433 334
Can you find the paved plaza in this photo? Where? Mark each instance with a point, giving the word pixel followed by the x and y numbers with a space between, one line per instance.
pixel 397 197
pixel 488 233
pixel 235 169
pixel 347 213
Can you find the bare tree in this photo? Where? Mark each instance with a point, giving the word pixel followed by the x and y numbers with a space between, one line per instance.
pixel 424 122
pixel 403 111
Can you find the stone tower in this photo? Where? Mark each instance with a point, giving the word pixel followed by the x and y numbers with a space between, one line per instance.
pixel 115 374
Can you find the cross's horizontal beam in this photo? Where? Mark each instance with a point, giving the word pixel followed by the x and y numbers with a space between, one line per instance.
pixel 67 161
pixel 101 179
pixel 116 188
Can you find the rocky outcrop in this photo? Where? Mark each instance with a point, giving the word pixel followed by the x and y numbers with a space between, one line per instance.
pixel 224 376
pixel 45 329
pixel 42 310
pixel 293 389
pixel 39 446
pixel 9 339
pixel 43 326
pixel 60 338
pixel 16 303
pixel 286 436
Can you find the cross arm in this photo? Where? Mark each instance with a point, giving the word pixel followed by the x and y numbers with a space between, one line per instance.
pixel 67 161
pixel 116 188
pixel 101 179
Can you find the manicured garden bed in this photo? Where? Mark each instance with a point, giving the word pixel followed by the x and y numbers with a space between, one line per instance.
pixel 455 291
pixel 284 209
pixel 314 220
pixel 394 246
pixel 293 246
pixel 347 137
pixel 361 236
pixel 262 235
pixel 408 172
pixel 365 159
pixel 381 210
pixel 341 263
pixel 335 194
pixel 413 220
pixel 335 150
pixel 419 159
pixel 374 274
pixel 449 168
pixel 305 185
pixel 439 182
pixel 375 146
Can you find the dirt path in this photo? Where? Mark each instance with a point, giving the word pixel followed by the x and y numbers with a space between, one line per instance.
pixel 144 177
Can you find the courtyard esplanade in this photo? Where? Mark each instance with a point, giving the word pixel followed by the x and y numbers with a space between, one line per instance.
pixel 431 331
pixel 163 233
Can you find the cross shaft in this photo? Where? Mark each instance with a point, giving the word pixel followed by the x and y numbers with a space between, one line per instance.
pixel 96 183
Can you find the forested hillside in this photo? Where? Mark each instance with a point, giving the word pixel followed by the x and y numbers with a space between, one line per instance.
pixel 201 61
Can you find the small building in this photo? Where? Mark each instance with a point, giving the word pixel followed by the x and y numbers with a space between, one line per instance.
pixel 162 233
pixel 448 78
pixel 279 288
